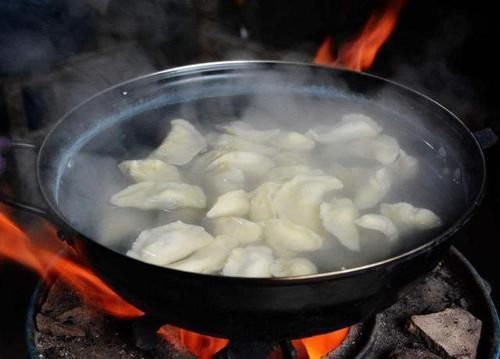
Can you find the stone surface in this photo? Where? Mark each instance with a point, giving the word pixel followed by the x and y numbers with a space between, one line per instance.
pixel 453 333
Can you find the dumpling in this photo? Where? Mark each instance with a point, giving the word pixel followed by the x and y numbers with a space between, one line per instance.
pixel 240 229
pixel 234 203
pixel 370 193
pixel 246 131
pixel 380 224
pixel 298 200
pixel 338 219
pixel 252 164
pixel 285 173
pixel 407 217
pixel 261 202
pixel 150 170
pixel 251 261
pixel 287 238
pixel 289 158
pixel 169 243
pixel 351 177
pixel 226 142
pixel 181 145
pixel 165 196
pixel 384 149
pixel 198 166
pixel 208 259
pixel 290 267
pixel 293 141
pixel 351 127
pixel 404 168
pixel 223 180
pixel 187 215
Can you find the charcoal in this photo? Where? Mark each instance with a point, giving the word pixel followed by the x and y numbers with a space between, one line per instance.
pixel 67 328
pixel 50 326
pixel 59 299
pixel 169 345
pixel 408 353
pixel 452 333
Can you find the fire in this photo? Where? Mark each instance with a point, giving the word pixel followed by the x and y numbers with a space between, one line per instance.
pixel 360 53
pixel 319 345
pixel 205 347
pixel 39 251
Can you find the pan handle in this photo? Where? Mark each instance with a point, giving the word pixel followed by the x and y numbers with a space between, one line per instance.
pixel 7 145
pixel 486 137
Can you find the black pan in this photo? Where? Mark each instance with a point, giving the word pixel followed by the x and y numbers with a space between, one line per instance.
pixel 130 119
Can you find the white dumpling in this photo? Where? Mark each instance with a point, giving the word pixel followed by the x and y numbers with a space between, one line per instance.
pixel 234 203
pixel 198 167
pixel 150 170
pixel 187 215
pixel 289 158
pixel 405 167
pixel 169 243
pixel 165 196
pixel 239 228
pixel 223 180
pixel 384 149
pixel 370 193
pixel 290 267
pixel 252 164
pixel 208 259
pixel 224 142
pixel 298 200
pixel 338 219
pixel 286 237
pixel 380 224
pixel 261 202
pixel 246 131
pixel 251 261
pixel 351 127
pixel 181 145
pixel 293 141
pixel 351 177
pixel 285 173
pixel 407 217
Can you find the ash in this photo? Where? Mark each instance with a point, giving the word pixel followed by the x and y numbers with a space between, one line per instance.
pixel 66 328
pixel 448 286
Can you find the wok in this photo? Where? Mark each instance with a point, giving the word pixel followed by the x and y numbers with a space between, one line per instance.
pixel 128 120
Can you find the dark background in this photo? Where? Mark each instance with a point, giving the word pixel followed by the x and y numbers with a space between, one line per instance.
pixel 53 54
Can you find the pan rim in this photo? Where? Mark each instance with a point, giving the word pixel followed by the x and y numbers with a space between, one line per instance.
pixel 262 64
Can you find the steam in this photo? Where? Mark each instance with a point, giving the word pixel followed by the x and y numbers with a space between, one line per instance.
pixel 92 176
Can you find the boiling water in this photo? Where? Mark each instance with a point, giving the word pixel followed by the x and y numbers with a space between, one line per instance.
pixel 91 177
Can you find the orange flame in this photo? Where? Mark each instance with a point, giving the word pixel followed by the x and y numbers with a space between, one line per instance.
pixel 40 253
pixel 205 347
pixel 360 53
pixel 320 345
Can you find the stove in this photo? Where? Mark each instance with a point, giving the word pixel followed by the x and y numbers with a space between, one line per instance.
pixel 59 324
pixel 433 48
